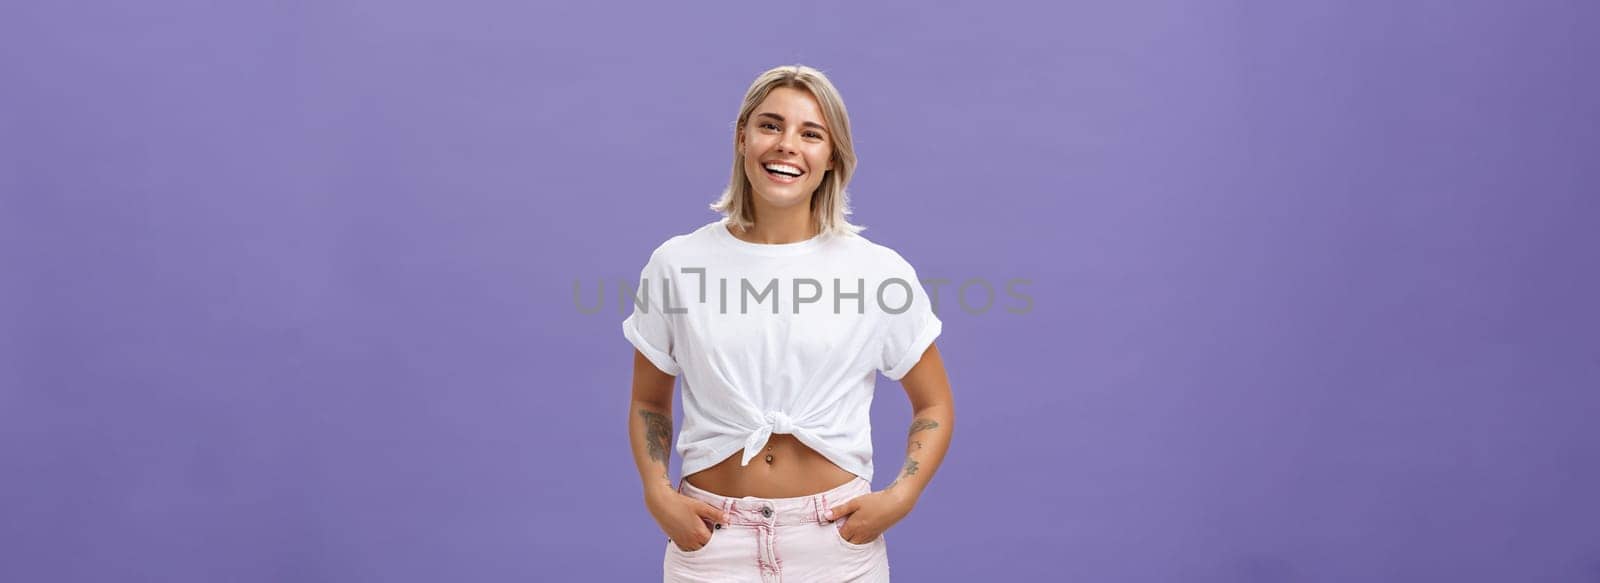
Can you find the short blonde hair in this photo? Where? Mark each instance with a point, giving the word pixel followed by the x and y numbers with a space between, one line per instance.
pixel 830 203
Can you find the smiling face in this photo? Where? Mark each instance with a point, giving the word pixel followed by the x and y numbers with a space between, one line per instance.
pixel 786 148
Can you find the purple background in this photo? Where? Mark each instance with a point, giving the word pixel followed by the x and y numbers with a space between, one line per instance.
pixel 287 287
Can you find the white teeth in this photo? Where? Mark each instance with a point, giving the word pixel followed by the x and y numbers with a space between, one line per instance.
pixel 784 168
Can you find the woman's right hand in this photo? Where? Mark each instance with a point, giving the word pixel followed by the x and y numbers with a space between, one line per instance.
pixel 687 521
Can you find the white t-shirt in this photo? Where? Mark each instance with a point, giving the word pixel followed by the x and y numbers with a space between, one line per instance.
pixel 783 338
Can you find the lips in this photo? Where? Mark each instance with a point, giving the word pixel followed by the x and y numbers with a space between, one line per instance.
pixel 783 169
pixel 780 178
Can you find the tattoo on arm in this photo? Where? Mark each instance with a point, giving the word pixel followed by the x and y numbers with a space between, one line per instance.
pixel 910 468
pixel 657 435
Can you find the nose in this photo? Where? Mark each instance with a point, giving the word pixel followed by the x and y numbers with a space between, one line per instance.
pixel 785 143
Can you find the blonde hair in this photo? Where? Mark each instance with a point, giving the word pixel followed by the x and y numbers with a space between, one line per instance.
pixel 830 203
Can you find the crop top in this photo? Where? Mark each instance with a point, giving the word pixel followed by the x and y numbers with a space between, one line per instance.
pixel 778 338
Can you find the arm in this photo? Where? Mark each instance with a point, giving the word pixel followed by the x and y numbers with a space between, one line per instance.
pixel 933 418
pixel 932 421
pixel 650 434
pixel 650 424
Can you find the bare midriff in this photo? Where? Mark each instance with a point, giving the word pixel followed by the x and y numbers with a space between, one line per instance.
pixel 795 470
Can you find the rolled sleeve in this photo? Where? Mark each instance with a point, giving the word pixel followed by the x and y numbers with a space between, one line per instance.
pixel 649 327
pixel 907 335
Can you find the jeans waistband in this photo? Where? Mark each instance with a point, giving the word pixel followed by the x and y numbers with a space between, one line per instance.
pixel 751 510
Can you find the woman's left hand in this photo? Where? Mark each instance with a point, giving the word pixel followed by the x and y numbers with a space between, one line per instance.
pixel 870 515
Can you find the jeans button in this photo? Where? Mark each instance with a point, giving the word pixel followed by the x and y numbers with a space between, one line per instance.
pixel 766 511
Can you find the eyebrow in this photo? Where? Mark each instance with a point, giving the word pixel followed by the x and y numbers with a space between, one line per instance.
pixel 810 124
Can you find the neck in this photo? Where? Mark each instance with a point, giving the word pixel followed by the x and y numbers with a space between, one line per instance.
pixel 780 226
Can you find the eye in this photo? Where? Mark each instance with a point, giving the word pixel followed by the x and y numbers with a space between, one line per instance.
pixel 769 125
pixel 814 135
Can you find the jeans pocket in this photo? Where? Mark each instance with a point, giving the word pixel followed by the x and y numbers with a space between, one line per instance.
pixel 672 546
pixel 839 536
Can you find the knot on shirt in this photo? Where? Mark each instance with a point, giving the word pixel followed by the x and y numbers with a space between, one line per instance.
pixel 780 423
pixel 772 422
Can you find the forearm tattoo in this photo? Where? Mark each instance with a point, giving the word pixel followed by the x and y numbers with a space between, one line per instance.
pixel 910 467
pixel 906 471
pixel 657 435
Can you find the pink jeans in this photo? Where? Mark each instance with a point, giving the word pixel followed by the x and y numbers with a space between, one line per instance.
pixel 768 540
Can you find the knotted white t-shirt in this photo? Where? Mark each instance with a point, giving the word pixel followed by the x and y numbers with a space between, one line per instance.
pixel 783 338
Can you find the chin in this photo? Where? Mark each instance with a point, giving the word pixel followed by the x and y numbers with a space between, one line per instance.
pixel 784 200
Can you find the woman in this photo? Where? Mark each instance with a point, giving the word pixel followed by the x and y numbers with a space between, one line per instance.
pixel 776 370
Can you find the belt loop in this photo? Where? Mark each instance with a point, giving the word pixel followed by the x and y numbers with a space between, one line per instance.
pixel 820 502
